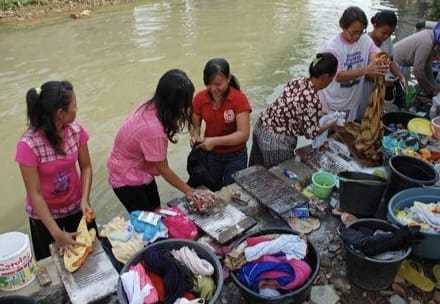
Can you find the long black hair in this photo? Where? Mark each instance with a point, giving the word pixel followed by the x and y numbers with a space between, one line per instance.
pixel 324 63
pixel 173 101
pixel 218 66
pixel 42 105
pixel 352 14
pixel 385 17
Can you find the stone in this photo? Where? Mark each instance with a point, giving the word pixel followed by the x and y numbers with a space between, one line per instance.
pixel 325 294
pixel 386 293
pixel 326 261
pixel 399 290
pixel 436 296
pixel 333 248
pixel 341 284
pixel 399 280
pixel 396 299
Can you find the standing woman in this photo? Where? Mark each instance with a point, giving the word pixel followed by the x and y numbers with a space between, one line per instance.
pixel 384 25
pixel 47 153
pixel 139 152
pixel 355 53
pixel 225 110
pixel 295 113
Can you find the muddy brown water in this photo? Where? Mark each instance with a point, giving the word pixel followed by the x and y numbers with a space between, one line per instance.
pixel 114 60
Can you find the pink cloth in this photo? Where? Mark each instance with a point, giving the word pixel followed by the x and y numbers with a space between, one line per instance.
pixel 140 142
pixel 144 279
pixel 179 226
pixel 59 178
pixel 301 268
pixel 255 240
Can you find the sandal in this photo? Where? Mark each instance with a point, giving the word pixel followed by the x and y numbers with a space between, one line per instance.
pixel 436 272
pixel 413 273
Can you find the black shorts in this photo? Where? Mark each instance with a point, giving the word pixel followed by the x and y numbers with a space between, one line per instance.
pixel 143 197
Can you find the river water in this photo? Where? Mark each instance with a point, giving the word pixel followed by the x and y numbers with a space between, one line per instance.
pixel 115 58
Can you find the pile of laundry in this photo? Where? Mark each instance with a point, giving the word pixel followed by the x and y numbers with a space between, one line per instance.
pixel 127 237
pixel 426 216
pixel 177 276
pixel 271 264
pixel 379 244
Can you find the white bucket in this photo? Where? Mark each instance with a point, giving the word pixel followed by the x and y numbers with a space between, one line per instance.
pixel 17 266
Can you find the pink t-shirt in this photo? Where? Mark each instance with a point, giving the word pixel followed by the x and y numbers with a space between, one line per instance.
pixel 140 142
pixel 59 178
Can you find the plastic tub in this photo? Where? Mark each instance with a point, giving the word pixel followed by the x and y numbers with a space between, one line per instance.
pixel 429 247
pixel 436 127
pixel 360 193
pixel 396 118
pixel 17 268
pixel 322 184
pixel 201 250
pixel 17 300
pixel 368 273
pixel 298 296
pixel 409 172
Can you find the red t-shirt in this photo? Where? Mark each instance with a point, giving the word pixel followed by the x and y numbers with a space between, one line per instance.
pixel 221 122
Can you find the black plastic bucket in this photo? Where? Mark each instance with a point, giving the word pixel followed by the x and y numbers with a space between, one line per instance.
pixel 360 193
pixel 409 172
pixel 201 250
pixel 17 300
pixel 300 295
pixel 396 118
pixel 365 272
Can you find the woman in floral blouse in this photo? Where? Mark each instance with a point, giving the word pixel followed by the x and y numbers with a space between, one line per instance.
pixel 295 113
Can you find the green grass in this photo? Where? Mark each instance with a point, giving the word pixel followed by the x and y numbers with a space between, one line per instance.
pixel 435 10
pixel 10 4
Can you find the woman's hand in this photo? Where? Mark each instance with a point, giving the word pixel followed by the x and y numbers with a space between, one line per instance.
pixel 87 211
pixel 195 139
pixel 207 144
pixel 376 69
pixel 402 80
pixel 66 241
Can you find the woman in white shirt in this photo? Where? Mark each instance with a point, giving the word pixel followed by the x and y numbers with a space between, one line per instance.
pixel 354 52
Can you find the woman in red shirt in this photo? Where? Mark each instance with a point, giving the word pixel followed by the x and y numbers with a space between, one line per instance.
pixel 225 110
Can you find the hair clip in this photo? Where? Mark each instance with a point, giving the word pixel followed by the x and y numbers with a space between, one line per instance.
pixel 38 90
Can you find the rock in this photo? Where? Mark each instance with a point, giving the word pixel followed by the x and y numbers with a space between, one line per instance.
pixel 436 296
pixel 341 284
pixel 386 293
pixel 325 294
pixel 398 289
pixel 397 300
pixel 399 280
pixel 326 261
pixel 333 248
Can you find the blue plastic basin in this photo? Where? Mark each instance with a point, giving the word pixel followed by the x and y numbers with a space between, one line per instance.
pixel 429 247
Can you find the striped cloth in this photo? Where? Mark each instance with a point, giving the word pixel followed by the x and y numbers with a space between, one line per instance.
pixel 270 148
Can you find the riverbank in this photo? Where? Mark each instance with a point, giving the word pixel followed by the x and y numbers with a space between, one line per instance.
pixel 40 10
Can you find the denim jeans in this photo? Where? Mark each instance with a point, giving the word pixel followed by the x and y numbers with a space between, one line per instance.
pixel 223 165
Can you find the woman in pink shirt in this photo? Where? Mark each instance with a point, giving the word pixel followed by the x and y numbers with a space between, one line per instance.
pixel 140 149
pixel 47 153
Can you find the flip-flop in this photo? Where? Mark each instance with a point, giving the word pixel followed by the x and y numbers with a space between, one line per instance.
pixel 436 272
pixel 304 226
pixel 415 276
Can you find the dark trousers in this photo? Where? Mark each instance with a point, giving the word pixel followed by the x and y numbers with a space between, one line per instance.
pixel 41 237
pixel 143 197
pixel 223 165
